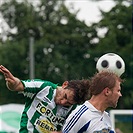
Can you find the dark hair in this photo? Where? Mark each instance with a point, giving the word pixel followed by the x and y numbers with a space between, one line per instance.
pixel 102 80
pixel 81 90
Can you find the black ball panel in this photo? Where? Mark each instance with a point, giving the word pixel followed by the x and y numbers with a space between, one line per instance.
pixel 118 64
pixel 104 63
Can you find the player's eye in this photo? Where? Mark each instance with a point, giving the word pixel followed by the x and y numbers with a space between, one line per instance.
pixel 65 96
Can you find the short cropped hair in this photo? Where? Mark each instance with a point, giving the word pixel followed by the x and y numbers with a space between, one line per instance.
pixel 102 80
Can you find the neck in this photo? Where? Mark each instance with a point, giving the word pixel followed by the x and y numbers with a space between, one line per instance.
pixel 98 103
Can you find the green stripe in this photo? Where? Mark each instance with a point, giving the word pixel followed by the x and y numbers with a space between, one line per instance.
pixel 35 116
pixel 50 94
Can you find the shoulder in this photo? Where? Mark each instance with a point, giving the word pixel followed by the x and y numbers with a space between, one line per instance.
pixel 38 83
pixel 107 114
pixel 77 119
pixel 80 111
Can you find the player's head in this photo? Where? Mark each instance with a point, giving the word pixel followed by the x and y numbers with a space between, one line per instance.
pixel 80 88
pixel 105 86
pixel 102 80
pixel 73 92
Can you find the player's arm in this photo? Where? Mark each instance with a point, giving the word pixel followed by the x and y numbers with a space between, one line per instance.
pixel 13 83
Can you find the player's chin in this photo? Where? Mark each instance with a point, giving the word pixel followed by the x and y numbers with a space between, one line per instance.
pixel 115 104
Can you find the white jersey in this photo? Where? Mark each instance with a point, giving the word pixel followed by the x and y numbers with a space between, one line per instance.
pixel 87 119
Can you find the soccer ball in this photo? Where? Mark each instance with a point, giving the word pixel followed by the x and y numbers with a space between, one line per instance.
pixel 111 62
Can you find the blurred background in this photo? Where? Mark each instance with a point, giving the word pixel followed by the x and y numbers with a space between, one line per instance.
pixel 51 40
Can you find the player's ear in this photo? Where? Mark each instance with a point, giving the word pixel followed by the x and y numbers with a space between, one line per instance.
pixel 65 84
pixel 107 91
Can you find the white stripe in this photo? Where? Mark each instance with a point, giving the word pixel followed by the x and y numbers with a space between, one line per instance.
pixel 37 99
pixel 33 83
pixel 30 127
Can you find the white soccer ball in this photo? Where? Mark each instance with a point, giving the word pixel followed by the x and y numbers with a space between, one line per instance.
pixel 111 62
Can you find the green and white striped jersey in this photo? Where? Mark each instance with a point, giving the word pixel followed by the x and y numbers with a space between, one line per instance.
pixel 41 114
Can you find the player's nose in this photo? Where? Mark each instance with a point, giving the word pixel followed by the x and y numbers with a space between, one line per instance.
pixel 64 101
pixel 120 94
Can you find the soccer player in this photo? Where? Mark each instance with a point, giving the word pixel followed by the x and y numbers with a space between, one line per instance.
pixel 47 105
pixel 91 116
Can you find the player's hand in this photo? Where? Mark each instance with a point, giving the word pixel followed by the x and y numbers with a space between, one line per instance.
pixel 6 73
pixel 11 81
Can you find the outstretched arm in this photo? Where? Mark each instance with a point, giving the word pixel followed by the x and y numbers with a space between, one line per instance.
pixel 13 83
